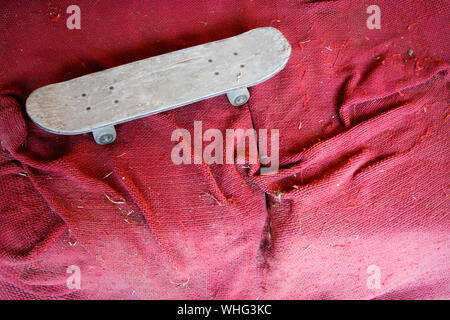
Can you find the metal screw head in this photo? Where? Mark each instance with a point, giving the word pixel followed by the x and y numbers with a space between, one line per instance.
pixel 106 138
pixel 240 100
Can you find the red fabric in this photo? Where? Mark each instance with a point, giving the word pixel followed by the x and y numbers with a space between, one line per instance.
pixel 363 182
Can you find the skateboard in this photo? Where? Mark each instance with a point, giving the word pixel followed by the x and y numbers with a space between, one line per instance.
pixel 97 102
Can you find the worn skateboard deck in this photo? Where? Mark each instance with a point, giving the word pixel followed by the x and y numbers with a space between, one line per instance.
pixel 98 101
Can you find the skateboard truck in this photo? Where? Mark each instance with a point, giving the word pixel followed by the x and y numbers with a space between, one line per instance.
pixel 97 102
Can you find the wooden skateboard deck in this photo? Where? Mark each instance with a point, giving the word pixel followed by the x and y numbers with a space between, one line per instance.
pixel 98 101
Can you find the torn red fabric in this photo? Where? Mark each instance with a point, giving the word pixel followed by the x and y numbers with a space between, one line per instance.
pixel 362 188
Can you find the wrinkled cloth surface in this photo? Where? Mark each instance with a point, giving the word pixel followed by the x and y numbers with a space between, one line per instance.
pixel 363 181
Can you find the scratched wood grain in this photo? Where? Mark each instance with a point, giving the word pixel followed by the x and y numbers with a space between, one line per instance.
pixel 159 83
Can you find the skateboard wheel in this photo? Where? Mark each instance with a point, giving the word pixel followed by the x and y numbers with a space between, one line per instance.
pixel 104 135
pixel 238 96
